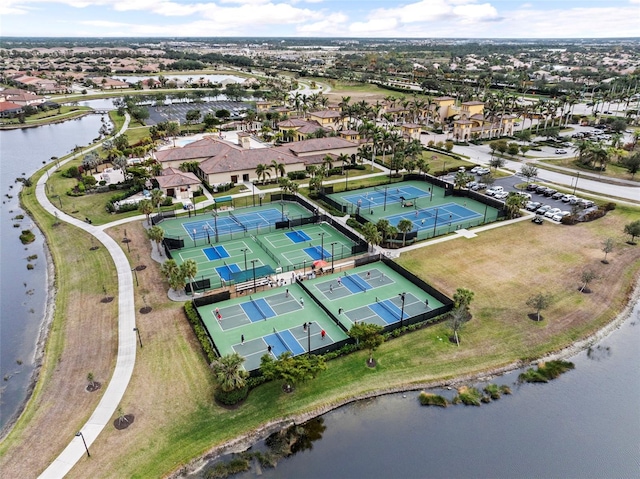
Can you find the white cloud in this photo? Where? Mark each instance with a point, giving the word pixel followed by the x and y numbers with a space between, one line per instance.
pixel 332 25
pixel 374 27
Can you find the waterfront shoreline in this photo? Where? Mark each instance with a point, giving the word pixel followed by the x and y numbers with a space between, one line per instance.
pixel 244 442
pixel 41 340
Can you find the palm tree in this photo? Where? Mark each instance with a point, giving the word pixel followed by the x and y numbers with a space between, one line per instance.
pixel 171 271
pixel 514 202
pixel 371 234
pixel 173 129
pixel 146 208
pixel 155 233
pixel 404 226
pixel 327 162
pixel 383 227
pixel 90 160
pixel 278 167
pixel 157 197
pixel 121 162
pixel 189 269
pixel 262 171
pixel 227 372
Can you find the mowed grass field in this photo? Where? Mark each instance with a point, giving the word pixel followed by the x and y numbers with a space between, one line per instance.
pixel 171 391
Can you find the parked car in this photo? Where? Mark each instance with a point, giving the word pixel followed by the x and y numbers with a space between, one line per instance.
pixel 541 189
pixel 574 201
pixel 557 195
pixel 543 209
pixel 533 205
pixel 526 195
pixel 471 184
pixel 550 213
pixel 550 192
pixel 561 152
pixel 586 203
pixel 475 169
pixel 493 190
pixel 500 195
pixel 532 187
pixel 559 216
pixel 483 171
pixel 479 186
pixel 568 198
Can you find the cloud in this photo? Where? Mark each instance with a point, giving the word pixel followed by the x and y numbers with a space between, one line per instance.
pixel 331 25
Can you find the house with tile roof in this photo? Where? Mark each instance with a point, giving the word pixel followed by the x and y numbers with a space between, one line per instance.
pixel 178 184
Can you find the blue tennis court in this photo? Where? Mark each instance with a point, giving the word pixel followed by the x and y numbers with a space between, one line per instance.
pixel 226 271
pixel 355 283
pixel 215 252
pixel 449 213
pixel 316 252
pixel 258 310
pixel 388 311
pixel 282 342
pixel 393 195
pixel 298 236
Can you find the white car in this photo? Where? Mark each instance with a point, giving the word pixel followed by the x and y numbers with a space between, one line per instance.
pixel 475 169
pixel 561 152
pixel 550 213
pixel 500 195
pixel 560 215
pixel 483 171
pixel 493 190
pixel 568 198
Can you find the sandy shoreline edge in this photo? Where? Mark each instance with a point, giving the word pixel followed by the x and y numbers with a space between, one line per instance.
pixel 242 443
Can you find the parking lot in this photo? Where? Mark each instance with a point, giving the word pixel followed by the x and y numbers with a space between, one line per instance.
pixel 178 111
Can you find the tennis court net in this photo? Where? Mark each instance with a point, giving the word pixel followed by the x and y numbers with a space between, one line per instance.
pixel 264 316
pixel 396 195
pixel 391 312
pixel 232 216
pixel 282 340
pixel 354 281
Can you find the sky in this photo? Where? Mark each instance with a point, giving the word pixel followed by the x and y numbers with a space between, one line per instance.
pixel 321 18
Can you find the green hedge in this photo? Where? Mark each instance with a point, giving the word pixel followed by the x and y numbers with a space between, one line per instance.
pixel 198 328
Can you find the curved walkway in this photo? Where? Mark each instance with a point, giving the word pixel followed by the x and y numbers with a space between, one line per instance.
pixel 127 340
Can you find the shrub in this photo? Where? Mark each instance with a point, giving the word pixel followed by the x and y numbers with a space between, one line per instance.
pixel 297 175
pixel 546 371
pixel 430 399
pixel 469 396
pixel 609 206
pixel 492 390
pixel 71 172
pixel 231 397
pixel 27 237
pixel 353 223
pixel 198 329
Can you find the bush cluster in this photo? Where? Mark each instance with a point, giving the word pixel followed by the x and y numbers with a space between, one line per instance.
pixel 201 334
pixel 297 175
pixel 232 397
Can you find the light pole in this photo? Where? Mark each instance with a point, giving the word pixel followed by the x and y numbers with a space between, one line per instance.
pixel 309 338
pixel 575 186
pixel 321 245
pixel 135 273
pixel 79 434
pixel 253 265
pixel 346 181
pixel 253 193
pixel 402 296
pixel 139 338
pixel 435 224
pixel 194 237
pixel 244 250
pixel 332 244
pixel 304 267
pixel 206 230
pixel 385 198
pixel 282 209
pixel 444 165
pixel 430 195
pixel 215 221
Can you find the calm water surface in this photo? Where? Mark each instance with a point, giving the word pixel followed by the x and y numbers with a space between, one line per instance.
pixel 23 293
pixel 585 424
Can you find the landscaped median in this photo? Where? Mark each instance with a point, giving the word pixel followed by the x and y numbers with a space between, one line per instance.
pixel 171 391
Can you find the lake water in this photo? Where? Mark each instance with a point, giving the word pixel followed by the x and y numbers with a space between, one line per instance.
pixel 584 424
pixel 24 292
pixel 211 78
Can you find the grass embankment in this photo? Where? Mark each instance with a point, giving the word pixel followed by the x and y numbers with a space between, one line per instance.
pixel 171 391
pixel 613 170
pixel 82 339
pixel 45 117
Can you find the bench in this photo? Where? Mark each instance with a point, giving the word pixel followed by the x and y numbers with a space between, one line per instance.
pixel 247 285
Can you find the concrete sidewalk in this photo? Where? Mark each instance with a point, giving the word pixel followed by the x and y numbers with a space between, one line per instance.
pixel 127 342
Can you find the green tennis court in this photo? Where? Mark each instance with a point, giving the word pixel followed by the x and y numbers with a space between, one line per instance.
pixel 374 293
pixel 425 205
